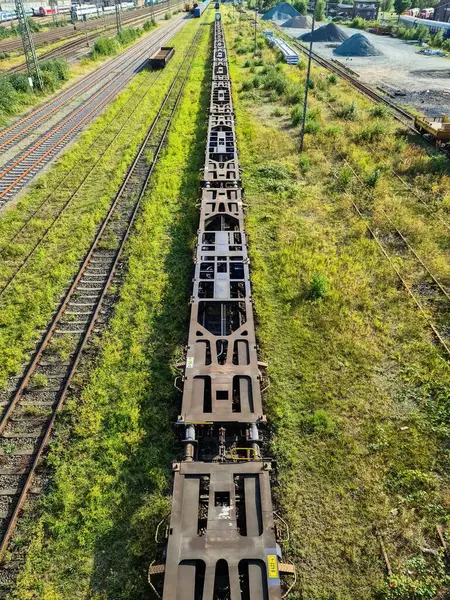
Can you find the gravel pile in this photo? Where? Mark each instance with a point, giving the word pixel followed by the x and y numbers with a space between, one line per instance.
pixel 301 22
pixel 280 12
pixel 326 33
pixel 357 45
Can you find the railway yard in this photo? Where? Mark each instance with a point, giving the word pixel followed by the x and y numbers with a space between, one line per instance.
pixel 224 360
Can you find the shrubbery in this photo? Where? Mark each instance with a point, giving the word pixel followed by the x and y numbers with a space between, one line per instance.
pixel 104 47
pixel 15 90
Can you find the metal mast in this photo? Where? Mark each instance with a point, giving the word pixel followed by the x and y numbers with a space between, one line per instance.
pixel 28 46
pixel 118 22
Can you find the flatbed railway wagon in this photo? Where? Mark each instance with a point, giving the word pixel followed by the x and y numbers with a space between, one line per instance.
pixel 438 127
pixel 160 59
pixel 221 541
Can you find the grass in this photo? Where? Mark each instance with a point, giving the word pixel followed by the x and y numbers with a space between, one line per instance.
pixel 27 306
pixel 358 401
pixel 112 478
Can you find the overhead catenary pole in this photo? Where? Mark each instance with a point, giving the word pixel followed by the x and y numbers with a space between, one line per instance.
pixel 29 50
pixel 308 74
pixel 118 21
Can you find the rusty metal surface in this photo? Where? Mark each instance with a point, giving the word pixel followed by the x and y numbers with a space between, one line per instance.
pixel 221 537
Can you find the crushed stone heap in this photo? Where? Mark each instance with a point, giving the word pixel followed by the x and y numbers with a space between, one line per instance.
pixel 357 45
pixel 326 33
pixel 281 12
pixel 301 22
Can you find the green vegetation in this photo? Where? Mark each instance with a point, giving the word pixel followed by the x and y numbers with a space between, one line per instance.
pixel 106 46
pixel 113 477
pixel 359 395
pixel 15 92
pixel 85 168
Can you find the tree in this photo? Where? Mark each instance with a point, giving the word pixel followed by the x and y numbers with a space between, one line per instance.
pixel 300 6
pixel 386 5
pixel 401 5
pixel 320 10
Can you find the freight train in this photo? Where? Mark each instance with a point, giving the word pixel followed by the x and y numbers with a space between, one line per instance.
pixel 221 542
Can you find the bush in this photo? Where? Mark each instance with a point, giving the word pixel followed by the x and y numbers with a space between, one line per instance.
pixel 149 25
pixel 248 63
pixel 167 16
pixel 295 93
pixel 380 110
pixel 58 67
pixel 19 81
pixel 104 47
pixel 348 112
pixel 373 178
pixel 318 288
pixel 256 81
pixel 358 23
pixel 8 96
pixel 332 78
pixel 49 80
pixel 297 114
pixel 373 132
pixel 128 35
pixel 275 81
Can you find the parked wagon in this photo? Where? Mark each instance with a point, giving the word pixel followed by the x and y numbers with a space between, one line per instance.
pixel 160 59
pixel 438 127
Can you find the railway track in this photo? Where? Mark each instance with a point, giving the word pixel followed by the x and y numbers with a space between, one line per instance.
pixel 31 408
pixel 221 540
pixel 72 47
pixel 67 32
pixel 21 169
pixel 397 111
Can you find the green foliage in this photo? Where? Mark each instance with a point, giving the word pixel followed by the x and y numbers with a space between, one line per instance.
pixel 295 93
pixel 19 81
pixel 39 380
pixel 104 46
pixel 332 78
pixel 386 5
pixel 379 111
pixel 274 80
pixel 149 25
pixel 358 23
pixel 128 35
pixel 422 580
pixel 320 10
pixel 319 422
pixel 401 5
pixel 301 6
pixel 373 178
pixel 167 16
pixel 373 132
pixel 318 288
pixel 8 96
pixel 349 111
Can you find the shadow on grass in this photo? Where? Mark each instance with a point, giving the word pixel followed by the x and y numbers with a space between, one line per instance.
pixel 123 555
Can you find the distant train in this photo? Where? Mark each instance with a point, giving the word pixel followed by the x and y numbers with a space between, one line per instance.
pixel 91 10
pixel 433 26
pixel 11 15
pixel 45 11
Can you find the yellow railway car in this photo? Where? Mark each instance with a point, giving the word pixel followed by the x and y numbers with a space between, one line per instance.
pixel 438 127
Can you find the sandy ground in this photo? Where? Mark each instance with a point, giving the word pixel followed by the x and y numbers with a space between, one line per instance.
pixel 416 80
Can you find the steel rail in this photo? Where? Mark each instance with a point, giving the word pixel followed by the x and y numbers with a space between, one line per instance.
pixel 399 113
pixel 386 254
pixel 67 203
pixel 80 41
pixel 18 169
pixel 182 78
pixel 34 212
pixel 68 31
pixel 63 98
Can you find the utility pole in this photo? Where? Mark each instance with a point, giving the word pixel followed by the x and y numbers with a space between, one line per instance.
pixel 256 22
pixel 34 74
pixel 53 5
pixel 308 73
pixel 118 22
